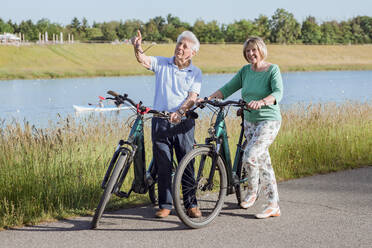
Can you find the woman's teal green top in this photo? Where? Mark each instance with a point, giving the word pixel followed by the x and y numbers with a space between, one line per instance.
pixel 255 86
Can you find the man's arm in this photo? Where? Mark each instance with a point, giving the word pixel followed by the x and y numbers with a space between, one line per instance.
pixel 186 105
pixel 142 58
pixel 189 102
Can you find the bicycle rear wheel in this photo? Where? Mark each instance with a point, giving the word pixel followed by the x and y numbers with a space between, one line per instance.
pixel 196 184
pixel 112 181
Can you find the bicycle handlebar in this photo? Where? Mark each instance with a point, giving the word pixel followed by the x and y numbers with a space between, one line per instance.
pixel 221 104
pixel 121 99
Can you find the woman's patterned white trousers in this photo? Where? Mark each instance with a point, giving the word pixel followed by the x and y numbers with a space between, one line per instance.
pixel 256 158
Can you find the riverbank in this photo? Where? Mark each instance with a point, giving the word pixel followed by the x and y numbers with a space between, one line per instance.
pixel 93 60
pixel 56 172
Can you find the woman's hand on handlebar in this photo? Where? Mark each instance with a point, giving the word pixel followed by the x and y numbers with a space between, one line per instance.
pixel 255 104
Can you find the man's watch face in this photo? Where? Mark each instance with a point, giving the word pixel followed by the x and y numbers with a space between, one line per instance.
pixel 181 111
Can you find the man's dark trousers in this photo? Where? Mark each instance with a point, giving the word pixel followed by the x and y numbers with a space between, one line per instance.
pixel 165 138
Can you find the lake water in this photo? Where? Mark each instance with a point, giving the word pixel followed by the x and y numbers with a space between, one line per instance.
pixel 41 101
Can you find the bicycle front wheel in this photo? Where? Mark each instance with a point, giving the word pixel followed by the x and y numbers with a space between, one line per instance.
pixel 199 182
pixel 122 160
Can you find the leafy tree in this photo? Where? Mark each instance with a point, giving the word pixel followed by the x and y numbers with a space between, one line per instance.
pixel 284 27
pixel 5 27
pixel 96 25
pixel 170 32
pixel 42 25
pixel 330 32
pixel 357 33
pixel 365 23
pixel 129 28
pixel 239 31
pixel 109 30
pixel 345 35
pixel 262 26
pixel 310 31
pixel 361 27
pixel 176 22
pixel 159 21
pixel 13 26
pixel 29 30
pixel 152 32
pixel 75 24
pixel 83 27
pixel 173 28
pixel 208 32
pixel 94 34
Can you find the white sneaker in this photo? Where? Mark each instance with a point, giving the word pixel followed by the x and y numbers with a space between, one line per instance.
pixel 269 211
pixel 249 201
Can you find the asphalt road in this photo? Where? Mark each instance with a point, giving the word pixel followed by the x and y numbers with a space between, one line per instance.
pixel 333 210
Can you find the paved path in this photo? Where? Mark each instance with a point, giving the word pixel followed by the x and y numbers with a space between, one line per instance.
pixel 333 210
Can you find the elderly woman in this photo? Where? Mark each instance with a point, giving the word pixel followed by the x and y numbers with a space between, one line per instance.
pixel 262 89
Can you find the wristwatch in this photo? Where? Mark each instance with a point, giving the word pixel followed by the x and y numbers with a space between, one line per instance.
pixel 181 111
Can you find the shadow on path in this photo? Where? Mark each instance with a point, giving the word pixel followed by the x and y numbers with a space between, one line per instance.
pixel 108 220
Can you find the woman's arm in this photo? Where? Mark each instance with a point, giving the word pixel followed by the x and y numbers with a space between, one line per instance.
pixel 218 94
pixel 266 101
pixel 276 86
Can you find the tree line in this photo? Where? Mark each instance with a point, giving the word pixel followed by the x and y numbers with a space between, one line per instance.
pixel 280 28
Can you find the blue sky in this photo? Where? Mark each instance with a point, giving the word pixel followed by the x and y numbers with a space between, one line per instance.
pixel 227 11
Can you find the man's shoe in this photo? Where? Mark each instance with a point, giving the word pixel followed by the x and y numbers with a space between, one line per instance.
pixel 194 212
pixel 269 211
pixel 249 201
pixel 162 213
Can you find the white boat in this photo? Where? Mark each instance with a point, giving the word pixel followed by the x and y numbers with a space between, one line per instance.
pixel 96 108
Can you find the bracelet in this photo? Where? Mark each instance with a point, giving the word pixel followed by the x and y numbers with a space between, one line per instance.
pixel 265 103
pixel 181 112
pixel 138 48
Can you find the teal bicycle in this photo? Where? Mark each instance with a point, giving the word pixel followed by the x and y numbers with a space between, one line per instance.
pixel 207 170
pixel 129 152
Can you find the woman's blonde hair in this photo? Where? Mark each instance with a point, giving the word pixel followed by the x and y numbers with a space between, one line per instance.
pixel 261 46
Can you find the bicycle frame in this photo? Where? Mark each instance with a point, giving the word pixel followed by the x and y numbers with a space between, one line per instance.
pixel 222 149
pixel 127 152
pixel 135 148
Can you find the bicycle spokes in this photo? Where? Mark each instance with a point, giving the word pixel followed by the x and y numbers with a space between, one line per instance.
pixel 198 186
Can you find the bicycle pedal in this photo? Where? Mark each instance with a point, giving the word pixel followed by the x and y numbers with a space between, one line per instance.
pixel 230 190
pixel 122 194
pixel 149 180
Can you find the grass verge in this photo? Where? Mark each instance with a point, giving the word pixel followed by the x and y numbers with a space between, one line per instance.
pixel 56 172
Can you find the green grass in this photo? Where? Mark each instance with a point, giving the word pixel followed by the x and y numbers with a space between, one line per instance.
pixel 56 172
pixel 91 60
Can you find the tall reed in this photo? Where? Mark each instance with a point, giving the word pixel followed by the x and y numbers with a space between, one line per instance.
pixel 55 172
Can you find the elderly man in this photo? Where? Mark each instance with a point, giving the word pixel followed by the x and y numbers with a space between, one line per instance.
pixel 177 86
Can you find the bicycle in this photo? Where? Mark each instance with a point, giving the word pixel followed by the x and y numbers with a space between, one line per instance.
pixel 207 169
pixel 131 151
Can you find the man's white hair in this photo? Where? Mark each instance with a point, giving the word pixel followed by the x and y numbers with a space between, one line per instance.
pixel 190 36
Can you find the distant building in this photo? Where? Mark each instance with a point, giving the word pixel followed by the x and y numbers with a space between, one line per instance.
pixel 9 38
